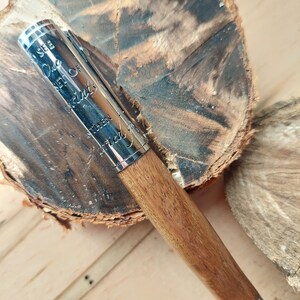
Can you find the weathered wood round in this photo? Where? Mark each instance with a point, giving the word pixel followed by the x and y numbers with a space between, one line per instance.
pixel 263 187
pixel 179 67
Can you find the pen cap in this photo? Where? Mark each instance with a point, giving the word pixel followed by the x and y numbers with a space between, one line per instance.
pixel 65 65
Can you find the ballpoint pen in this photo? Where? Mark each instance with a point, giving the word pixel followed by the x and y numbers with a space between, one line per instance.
pixel 66 67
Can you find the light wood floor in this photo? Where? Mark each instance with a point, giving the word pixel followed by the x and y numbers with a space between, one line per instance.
pixel 39 260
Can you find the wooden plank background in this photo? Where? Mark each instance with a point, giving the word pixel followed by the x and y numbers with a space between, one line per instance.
pixel 39 260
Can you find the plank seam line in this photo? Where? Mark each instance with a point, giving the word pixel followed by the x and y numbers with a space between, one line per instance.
pixel 111 248
pixel 21 239
pixel 120 261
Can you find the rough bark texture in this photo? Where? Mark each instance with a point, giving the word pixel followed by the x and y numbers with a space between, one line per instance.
pixel 263 187
pixel 181 69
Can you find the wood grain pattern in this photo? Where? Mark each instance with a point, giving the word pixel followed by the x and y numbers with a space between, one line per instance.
pixel 273 49
pixel 185 228
pixel 179 67
pixel 184 66
pixel 275 56
pixel 106 262
pixel 3 6
pixel 57 255
pixel 151 270
pixel 48 154
pixel 263 187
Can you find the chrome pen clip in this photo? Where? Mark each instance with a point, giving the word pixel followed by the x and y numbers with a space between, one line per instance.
pixel 75 42
pixel 84 53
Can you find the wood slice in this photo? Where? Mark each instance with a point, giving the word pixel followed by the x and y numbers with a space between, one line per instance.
pixel 179 67
pixel 184 66
pixel 263 187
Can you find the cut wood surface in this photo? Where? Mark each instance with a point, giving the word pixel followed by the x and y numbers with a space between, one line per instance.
pixel 263 187
pixel 269 212
pixel 44 262
pixel 185 69
pixel 3 5
pixel 180 68
pixel 273 48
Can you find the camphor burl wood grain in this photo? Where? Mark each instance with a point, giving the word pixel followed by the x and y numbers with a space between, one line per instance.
pixel 185 228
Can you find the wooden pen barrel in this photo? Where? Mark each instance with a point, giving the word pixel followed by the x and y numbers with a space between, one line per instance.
pixel 185 228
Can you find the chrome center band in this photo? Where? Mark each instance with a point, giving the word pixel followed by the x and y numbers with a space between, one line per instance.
pixel 66 66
